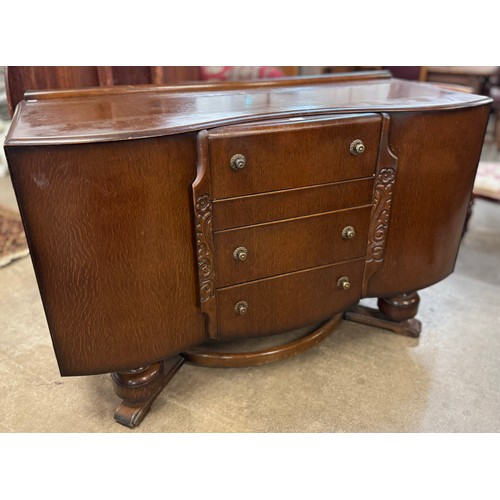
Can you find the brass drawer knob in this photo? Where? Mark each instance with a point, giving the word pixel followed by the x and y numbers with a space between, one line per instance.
pixel 348 233
pixel 238 162
pixel 241 253
pixel 344 283
pixel 241 308
pixel 357 147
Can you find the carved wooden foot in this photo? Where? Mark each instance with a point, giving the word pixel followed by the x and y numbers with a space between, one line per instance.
pixel 139 388
pixel 395 314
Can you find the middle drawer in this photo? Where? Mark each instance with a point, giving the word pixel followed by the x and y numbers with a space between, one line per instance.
pixel 265 250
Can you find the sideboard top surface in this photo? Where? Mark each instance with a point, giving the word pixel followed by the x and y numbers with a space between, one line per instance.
pixel 133 113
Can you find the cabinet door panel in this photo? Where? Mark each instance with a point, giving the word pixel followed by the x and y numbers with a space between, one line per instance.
pixel 110 234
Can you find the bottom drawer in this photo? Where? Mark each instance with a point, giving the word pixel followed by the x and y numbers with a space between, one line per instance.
pixel 287 302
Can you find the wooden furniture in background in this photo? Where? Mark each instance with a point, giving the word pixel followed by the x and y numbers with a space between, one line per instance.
pixel 163 219
pixel 22 78
pixel 19 79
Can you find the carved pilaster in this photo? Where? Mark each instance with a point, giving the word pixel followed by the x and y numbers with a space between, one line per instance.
pixel 204 247
pixel 203 207
pixel 382 198
pixel 383 191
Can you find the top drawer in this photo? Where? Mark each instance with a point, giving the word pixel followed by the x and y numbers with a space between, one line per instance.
pixel 292 153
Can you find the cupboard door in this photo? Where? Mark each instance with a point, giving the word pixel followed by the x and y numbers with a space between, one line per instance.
pixel 110 233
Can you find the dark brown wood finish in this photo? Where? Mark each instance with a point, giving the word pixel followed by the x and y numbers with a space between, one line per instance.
pixel 205 247
pixel 278 205
pixel 140 387
pixel 383 192
pixel 288 302
pixel 216 359
pixel 133 87
pixel 129 114
pixel 30 80
pixel 20 78
pixel 133 212
pixel 290 154
pixel 111 238
pixel 373 317
pixel 395 313
pixel 431 196
pixel 290 245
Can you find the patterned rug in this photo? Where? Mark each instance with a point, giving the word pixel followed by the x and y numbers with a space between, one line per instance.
pixel 12 238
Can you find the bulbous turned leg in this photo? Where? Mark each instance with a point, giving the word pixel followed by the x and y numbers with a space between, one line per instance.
pixel 395 313
pixel 140 387
pixel 400 307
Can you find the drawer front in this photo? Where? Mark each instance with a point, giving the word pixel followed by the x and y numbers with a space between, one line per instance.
pixel 283 247
pixel 261 158
pixel 279 205
pixel 283 303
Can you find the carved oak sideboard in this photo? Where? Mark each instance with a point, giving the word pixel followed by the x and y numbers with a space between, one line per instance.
pixel 163 219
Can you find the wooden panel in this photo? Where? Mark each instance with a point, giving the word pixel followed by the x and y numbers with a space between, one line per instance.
pixel 131 75
pixel 278 205
pixel 219 86
pixel 289 154
pixel 290 245
pixel 181 74
pixel 288 302
pixel 21 78
pixel 431 196
pixel 110 229
pixel 203 214
pixel 383 191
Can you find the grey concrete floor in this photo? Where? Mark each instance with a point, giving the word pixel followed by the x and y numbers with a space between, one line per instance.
pixel 360 379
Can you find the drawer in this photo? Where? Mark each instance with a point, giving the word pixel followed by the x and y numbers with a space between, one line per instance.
pixel 289 154
pixel 283 303
pixel 279 205
pixel 289 245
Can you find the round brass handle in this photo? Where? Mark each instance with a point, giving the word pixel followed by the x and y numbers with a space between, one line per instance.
pixel 344 283
pixel 238 162
pixel 357 147
pixel 241 253
pixel 348 233
pixel 241 307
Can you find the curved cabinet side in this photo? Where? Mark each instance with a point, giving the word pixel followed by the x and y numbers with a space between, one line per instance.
pixel 438 154
pixel 110 233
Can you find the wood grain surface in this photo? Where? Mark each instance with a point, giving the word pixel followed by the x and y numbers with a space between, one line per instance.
pixel 110 231
pixel 290 245
pixel 289 301
pixel 289 154
pixel 120 116
pixel 278 205
pixel 115 218
pixel 438 154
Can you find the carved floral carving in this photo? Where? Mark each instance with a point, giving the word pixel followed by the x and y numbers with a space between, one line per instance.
pixel 382 199
pixel 204 245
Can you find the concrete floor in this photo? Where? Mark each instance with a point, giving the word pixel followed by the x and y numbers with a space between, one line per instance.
pixel 360 379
